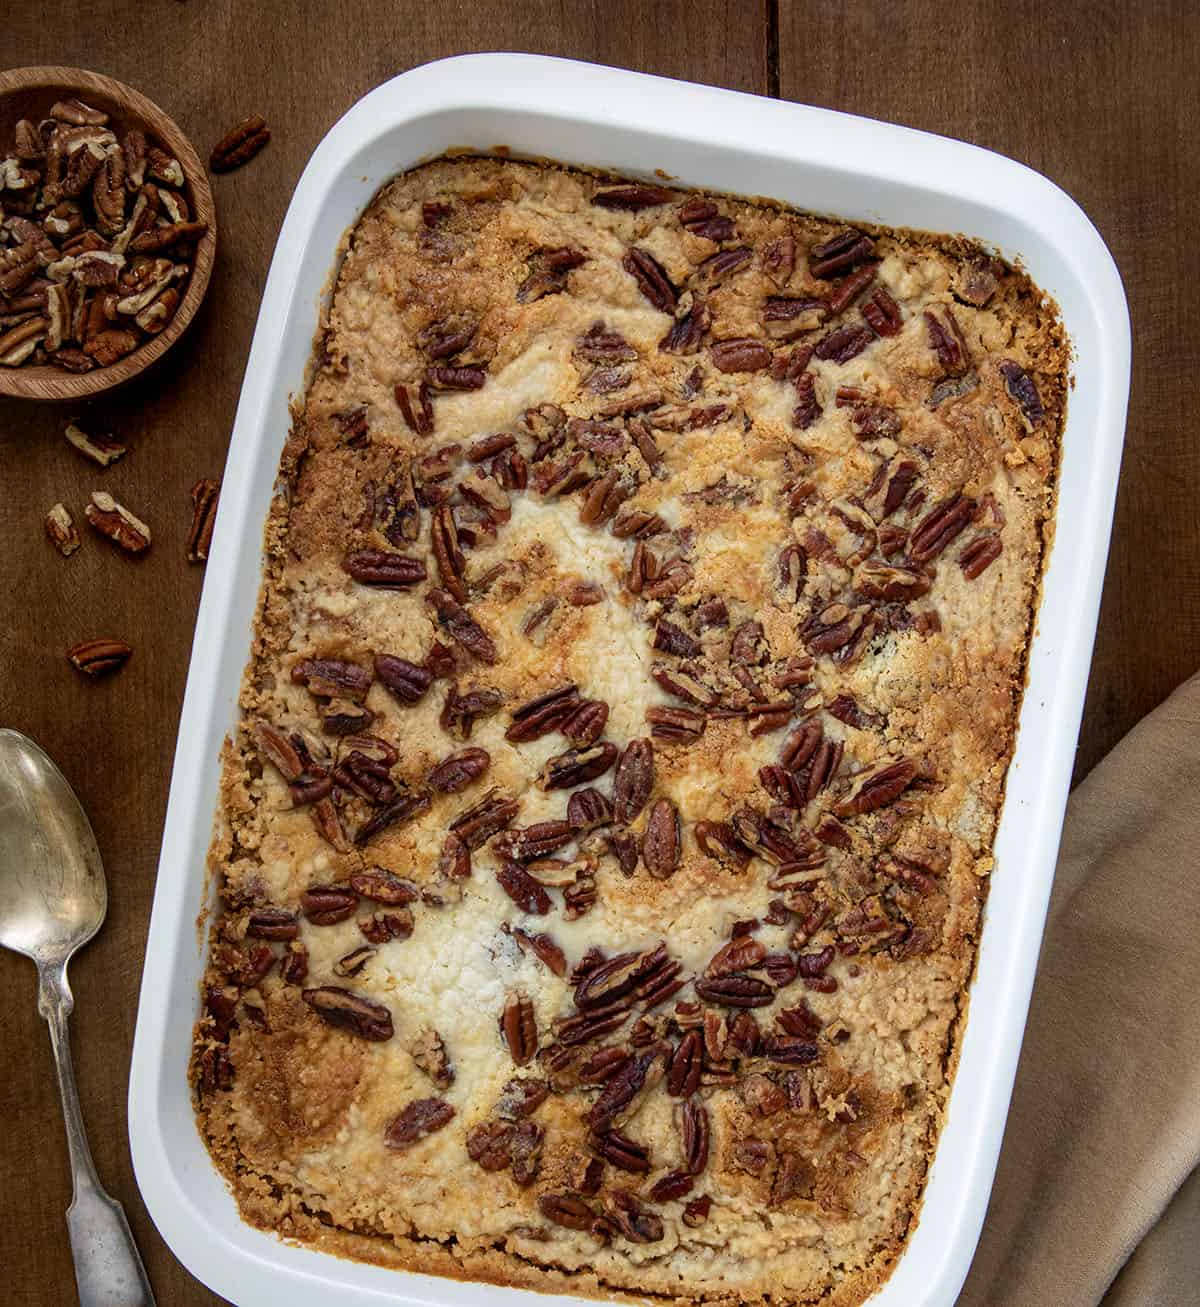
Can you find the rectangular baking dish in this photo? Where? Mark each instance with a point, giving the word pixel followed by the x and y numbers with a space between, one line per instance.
pixel 814 159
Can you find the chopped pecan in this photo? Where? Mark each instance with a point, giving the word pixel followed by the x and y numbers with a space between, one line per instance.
pixel 99 447
pixel 349 1011
pixel 879 581
pixel 779 259
pixel 61 530
pixel 419 417
pixel 946 341
pixel 717 839
pixel 882 313
pixel 673 639
pixel 1022 388
pixel 547 273
pixel 875 422
pixel 521 1097
pixel 652 279
pixel 542 947
pixel 477 824
pixel 461 711
pixel 380 927
pixel 117 523
pixel 354 961
pixel 808 408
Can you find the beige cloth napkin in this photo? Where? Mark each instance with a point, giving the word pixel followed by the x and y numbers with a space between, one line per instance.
pixel 1097 1197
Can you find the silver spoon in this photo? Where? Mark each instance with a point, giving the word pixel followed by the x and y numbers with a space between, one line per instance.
pixel 52 901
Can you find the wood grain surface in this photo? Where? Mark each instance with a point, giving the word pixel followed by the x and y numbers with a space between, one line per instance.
pixel 1099 96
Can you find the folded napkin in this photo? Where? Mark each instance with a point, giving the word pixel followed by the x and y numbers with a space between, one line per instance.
pixel 1097 1196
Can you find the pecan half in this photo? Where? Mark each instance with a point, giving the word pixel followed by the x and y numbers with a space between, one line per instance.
pixel 326 905
pixel 652 279
pixel 99 657
pixel 420 1118
pixel 633 780
pixel 741 954
pixel 477 824
pixel 939 527
pixel 585 725
pixel 717 267
pixel 117 523
pixel 383 887
pixel 459 770
pixel 743 354
pixel 626 1216
pixel 461 711
pixel 979 555
pixel 401 809
pixel 736 991
pixel 240 144
pixel 521 887
pixel 701 218
pixel 462 628
pixel 946 341
pixel 577 766
pixel 566 1210
pixel 622 1152
pixel 418 417
pixel 407 681
pixel 673 1185
pixel 349 1011
pixel 542 947
pixel 876 788
pixel 687 331
pixel 621 1095
pixel 839 252
pixel 383 569
pixel 877 580
pixel 632 197
pixel 842 345
pixel 678 725
pixel 532 842
pixel 683 1072
pixel 518 1024
pixel 330 678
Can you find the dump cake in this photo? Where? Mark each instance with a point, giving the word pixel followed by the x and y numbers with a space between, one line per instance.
pixel 603 846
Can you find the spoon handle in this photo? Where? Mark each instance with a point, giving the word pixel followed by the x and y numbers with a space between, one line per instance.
pixel 108 1269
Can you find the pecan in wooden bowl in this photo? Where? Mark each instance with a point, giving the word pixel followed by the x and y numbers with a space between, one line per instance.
pixel 107 233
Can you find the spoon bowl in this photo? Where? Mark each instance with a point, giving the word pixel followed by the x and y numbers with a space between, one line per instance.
pixel 53 895
pixel 52 901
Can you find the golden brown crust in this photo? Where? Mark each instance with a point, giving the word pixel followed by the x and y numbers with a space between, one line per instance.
pixel 878 505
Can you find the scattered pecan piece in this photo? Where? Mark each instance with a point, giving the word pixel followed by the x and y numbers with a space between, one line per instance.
pixel 629 1218
pixel 946 341
pixel 349 1011
pixel 633 780
pixel 808 408
pixel 401 809
pixel 117 523
pixel 736 991
pixel 717 839
pixel 477 824
pixel 701 218
pixel 461 711
pixel 675 724
pixel 99 657
pixel 384 569
pixel 60 528
pixel 99 447
pixel 779 260
pixel 204 515
pixel 240 144
pixel 845 343
pixel 547 273
pixel 446 377
pixel 419 417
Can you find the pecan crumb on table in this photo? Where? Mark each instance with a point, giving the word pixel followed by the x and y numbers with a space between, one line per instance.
pixel 604 845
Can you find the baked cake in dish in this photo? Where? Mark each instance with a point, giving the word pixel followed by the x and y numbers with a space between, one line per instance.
pixel 603 847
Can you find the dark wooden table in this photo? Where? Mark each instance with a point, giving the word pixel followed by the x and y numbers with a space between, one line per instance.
pixel 1101 97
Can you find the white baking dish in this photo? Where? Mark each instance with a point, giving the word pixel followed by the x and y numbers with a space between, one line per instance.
pixel 814 159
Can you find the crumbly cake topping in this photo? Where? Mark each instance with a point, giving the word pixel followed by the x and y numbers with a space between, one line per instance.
pixel 603 849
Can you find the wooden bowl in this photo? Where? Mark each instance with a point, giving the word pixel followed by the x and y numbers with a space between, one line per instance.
pixel 29 93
